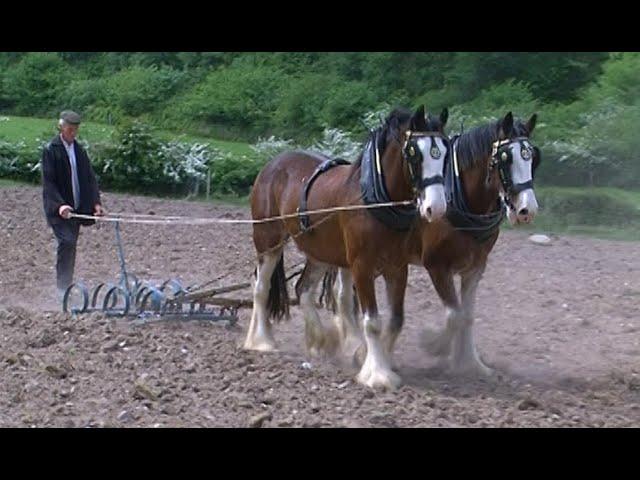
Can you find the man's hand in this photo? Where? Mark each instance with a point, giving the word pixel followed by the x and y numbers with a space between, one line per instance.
pixel 65 211
pixel 98 211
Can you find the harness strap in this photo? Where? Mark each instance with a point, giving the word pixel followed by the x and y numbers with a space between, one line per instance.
pixel 305 222
pixel 425 182
pixel 374 190
pixel 480 227
pixel 522 186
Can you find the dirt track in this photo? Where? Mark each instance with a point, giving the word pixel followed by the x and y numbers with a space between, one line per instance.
pixel 559 323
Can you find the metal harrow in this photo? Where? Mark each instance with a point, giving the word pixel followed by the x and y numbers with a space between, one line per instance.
pixel 148 302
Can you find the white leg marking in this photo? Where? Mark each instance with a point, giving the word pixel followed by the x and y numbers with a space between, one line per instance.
pixel 465 356
pixel 259 336
pixel 345 321
pixel 376 370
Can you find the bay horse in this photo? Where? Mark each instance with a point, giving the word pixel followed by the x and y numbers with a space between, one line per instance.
pixel 406 162
pixel 490 174
pixel 492 171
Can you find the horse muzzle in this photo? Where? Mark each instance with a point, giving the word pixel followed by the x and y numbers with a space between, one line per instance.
pixel 526 208
pixel 434 204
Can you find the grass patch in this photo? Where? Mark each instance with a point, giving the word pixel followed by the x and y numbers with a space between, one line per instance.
pixel 4 182
pixel 29 129
pixel 214 198
pixel 610 213
pixel 220 199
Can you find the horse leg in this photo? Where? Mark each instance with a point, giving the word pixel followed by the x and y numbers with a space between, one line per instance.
pixel 376 369
pixel 396 284
pixel 345 319
pixel 465 356
pixel 439 343
pixel 318 339
pixel 259 336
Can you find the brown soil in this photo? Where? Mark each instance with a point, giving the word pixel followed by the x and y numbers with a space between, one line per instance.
pixel 559 323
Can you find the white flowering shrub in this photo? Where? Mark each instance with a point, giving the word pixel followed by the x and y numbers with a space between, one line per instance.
pixel 337 143
pixel 267 148
pixel 374 118
pixel 186 162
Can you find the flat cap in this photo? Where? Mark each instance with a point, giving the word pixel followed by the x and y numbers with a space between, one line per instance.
pixel 70 117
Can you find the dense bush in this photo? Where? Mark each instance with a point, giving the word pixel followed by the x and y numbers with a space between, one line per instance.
pixel 346 103
pixel 234 174
pixel 588 102
pixel 33 84
pixel 297 115
pixel 135 160
pixel 243 96
pixel 132 160
pixel 594 140
pixel 84 95
pixel 20 161
pixel 138 90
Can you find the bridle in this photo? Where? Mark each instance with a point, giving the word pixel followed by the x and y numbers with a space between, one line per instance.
pixel 502 159
pixel 413 156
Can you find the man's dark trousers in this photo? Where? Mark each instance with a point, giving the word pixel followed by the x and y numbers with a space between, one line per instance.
pixel 66 233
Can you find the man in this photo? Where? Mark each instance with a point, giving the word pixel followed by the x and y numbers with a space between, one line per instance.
pixel 68 185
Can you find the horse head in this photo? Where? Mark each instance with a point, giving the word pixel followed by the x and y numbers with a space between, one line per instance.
pixel 514 159
pixel 424 150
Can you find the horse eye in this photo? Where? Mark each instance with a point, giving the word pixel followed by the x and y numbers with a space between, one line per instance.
pixel 435 153
pixel 525 153
pixel 504 156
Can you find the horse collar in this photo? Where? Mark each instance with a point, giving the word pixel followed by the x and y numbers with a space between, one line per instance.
pixel 480 227
pixel 374 190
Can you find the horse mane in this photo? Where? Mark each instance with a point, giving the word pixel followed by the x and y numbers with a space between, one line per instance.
pixel 397 117
pixel 475 145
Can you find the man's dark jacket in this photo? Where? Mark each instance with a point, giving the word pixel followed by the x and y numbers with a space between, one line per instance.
pixel 56 181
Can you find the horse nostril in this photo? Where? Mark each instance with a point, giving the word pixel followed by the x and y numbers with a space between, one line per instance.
pixel 429 211
pixel 523 212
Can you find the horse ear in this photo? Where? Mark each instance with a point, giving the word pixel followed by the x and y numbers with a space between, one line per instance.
pixel 506 125
pixel 418 119
pixel 444 116
pixel 531 124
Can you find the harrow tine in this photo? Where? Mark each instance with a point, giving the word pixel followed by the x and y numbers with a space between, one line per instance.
pixel 157 298
pixel 67 295
pixel 96 292
pixel 111 300
pixel 174 285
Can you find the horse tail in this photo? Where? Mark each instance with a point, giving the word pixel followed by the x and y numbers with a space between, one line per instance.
pixel 327 293
pixel 327 296
pixel 278 301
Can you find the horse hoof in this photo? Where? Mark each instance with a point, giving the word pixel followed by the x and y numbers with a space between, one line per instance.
pixel 262 345
pixel 475 369
pixel 379 379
